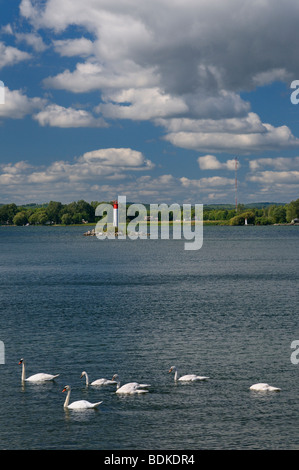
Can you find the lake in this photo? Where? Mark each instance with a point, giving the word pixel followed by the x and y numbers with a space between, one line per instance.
pixel 228 311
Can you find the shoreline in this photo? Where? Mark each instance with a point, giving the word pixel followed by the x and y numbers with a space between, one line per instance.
pixel 210 223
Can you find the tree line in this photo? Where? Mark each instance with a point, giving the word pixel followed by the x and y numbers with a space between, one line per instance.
pixel 269 215
pixel 82 212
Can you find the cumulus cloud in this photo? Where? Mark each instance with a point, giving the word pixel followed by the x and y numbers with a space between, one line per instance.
pixel 248 124
pixel 276 177
pixel 109 162
pixel 11 55
pixel 91 75
pixel 282 180
pixel 211 182
pixel 58 116
pixel 210 162
pixel 33 40
pixel 275 138
pixel 74 47
pixel 171 63
pixel 183 65
pixel 279 163
pixel 142 104
pixel 186 37
pixel 18 105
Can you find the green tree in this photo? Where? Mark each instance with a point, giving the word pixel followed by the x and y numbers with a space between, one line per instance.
pixel 240 218
pixel 20 218
pixel 278 214
pixel 7 213
pixel 292 210
pixel 77 218
pixel 66 219
pixel 53 211
pixel 39 217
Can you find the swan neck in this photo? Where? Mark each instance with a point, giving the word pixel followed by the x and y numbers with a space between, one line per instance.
pixel 67 400
pixel 23 371
pixel 175 375
pixel 87 380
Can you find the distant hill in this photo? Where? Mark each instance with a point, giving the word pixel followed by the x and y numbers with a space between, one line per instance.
pixel 31 205
pixel 255 205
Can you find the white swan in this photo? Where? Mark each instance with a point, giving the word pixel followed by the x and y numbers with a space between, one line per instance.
pixel 262 387
pixel 129 388
pixel 98 381
pixel 78 405
pixel 36 377
pixel 186 378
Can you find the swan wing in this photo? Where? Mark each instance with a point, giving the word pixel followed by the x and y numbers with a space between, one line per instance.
pixel 131 388
pixel 41 377
pixel 192 378
pixel 103 382
pixel 264 387
pixel 83 405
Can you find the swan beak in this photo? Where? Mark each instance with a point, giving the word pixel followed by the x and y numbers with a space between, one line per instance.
pixel 20 362
pixel 170 370
pixel 64 389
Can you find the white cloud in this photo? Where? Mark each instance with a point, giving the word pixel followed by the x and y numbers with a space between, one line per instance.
pixel 72 47
pixel 185 37
pixel 142 104
pixel 33 40
pixel 104 163
pixel 7 29
pixel 275 138
pixel 248 124
pixel 169 62
pixel 210 162
pixel 270 76
pixel 89 76
pixel 11 55
pixel 116 158
pixel 279 163
pixel 18 105
pixel 204 183
pixel 276 177
pixel 58 116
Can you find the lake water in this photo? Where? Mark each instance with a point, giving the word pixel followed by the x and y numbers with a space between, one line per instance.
pixel 228 311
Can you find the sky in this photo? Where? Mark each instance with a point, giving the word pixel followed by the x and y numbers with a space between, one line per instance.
pixel 154 100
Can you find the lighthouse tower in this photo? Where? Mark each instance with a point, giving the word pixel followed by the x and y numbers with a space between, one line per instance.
pixel 115 213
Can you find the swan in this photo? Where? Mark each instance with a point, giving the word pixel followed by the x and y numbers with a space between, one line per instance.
pixel 129 388
pixel 98 381
pixel 262 387
pixel 78 405
pixel 36 377
pixel 185 378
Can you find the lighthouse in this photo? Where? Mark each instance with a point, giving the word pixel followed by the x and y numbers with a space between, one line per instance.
pixel 115 213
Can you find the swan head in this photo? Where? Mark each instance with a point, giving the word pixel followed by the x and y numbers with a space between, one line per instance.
pixel 82 374
pixel 172 369
pixel 66 388
pixel 21 361
pixel 117 380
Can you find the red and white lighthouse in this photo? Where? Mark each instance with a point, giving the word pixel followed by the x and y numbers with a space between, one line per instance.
pixel 115 213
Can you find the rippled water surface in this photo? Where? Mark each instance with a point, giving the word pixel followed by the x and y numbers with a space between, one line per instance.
pixel 228 311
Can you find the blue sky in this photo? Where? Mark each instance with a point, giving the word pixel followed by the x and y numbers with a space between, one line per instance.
pixel 151 100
